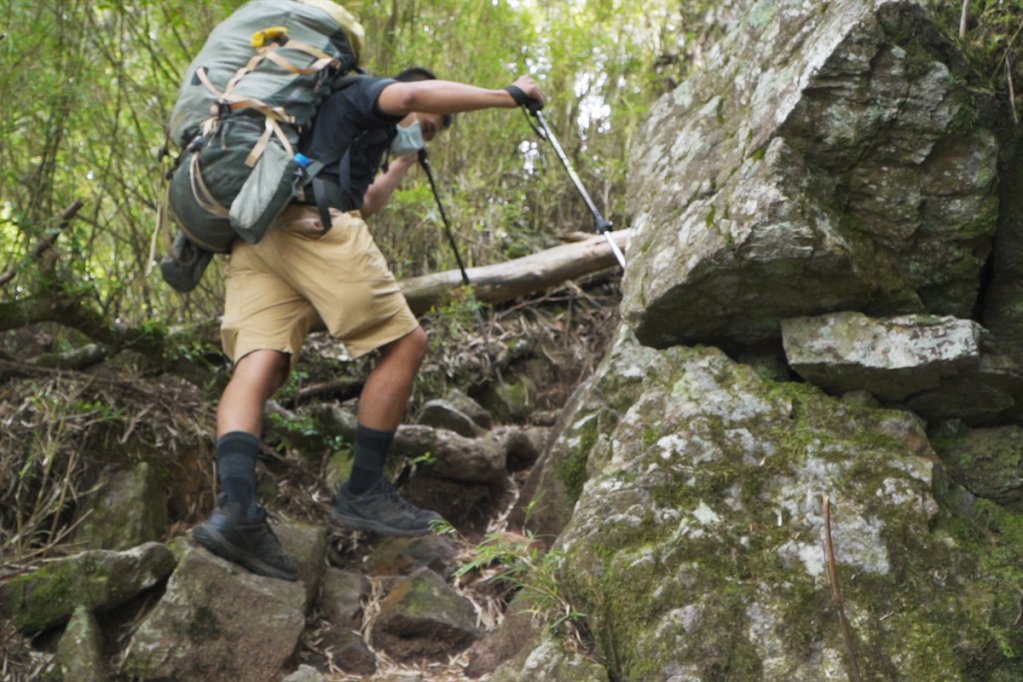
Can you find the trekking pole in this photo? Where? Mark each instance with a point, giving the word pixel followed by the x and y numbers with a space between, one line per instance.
pixel 544 132
pixel 424 161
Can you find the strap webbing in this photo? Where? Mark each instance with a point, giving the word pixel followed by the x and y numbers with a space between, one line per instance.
pixel 203 74
pixel 272 128
pixel 201 192
pixel 320 196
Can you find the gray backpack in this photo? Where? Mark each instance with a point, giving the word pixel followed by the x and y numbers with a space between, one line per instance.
pixel 246 97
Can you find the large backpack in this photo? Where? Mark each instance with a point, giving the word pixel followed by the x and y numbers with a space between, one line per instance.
pixel 244 102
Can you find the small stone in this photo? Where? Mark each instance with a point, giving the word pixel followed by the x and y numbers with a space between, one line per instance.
pixel 341 597
pixel 422 617
pixel 892 357
pixel 305 673
pixel 470 407
pixel 349 651
pixel 441 414
pixel 129 510
pixel 306 543
pixel 403 556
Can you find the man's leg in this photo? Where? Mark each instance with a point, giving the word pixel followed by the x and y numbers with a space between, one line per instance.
pixel 367 501
pixel 240 421
pixel 382 404
pixel 237 530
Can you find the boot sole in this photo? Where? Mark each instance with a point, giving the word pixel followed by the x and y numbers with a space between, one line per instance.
pixel 214 541
pixel 359 523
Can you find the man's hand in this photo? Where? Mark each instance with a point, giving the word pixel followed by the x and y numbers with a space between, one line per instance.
pixel 403 162
pixel 530 89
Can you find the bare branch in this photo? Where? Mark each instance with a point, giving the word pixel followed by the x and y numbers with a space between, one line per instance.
pixel 1012 91
pixel 46 244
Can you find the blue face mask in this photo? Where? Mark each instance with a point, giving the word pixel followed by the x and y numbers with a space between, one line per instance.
pixel 408 140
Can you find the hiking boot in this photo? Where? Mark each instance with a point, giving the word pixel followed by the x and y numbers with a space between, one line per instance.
pixel 245 539
pixel 383 510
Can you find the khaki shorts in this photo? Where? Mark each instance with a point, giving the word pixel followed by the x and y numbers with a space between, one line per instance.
pixel 283 287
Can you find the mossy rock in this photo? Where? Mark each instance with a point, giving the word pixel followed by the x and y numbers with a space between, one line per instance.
pixel 96 579
pixel 696 549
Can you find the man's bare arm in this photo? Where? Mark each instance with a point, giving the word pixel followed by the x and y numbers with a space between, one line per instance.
pixel 449 97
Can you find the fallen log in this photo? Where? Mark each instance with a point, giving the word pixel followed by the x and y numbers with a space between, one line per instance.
pixel 509 280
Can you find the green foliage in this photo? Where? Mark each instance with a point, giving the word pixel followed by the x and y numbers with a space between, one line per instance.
pixel 520 564
pixel 992 40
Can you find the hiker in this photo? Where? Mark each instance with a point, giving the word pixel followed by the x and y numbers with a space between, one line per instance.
pixel 318 264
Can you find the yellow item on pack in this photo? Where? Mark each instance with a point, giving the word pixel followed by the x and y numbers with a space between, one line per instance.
pixel 274 34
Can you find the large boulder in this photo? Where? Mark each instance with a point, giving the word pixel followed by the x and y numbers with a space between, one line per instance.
pixel 96 579
pixel 829 156
pixel 217 622
pixel 696 544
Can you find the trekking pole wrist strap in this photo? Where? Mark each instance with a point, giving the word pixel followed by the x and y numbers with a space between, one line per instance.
pixel 523 100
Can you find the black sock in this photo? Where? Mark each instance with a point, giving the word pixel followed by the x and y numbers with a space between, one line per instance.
pixel 237 453
pixel 371 448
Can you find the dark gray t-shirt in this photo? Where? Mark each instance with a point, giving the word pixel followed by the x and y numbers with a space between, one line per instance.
pixel 349 118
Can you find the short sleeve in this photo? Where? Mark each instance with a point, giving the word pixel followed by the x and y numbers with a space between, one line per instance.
pixel 362 97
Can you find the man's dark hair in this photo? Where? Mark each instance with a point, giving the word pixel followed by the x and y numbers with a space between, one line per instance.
pixel 420 73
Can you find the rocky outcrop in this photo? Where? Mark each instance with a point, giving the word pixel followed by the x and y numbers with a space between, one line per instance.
pixel 552 661
pixel 696 548
pixel 986 462
pixel 829 157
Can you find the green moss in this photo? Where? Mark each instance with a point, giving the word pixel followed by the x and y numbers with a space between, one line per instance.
pixel 41 598
pixel 571 468
pixel 711 216
pixel 651 434
pixel 993 538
